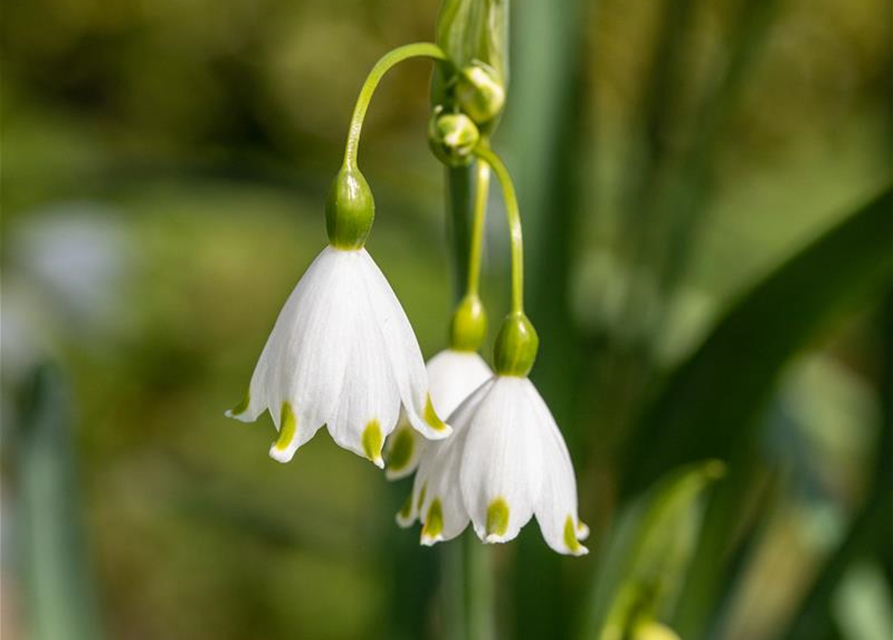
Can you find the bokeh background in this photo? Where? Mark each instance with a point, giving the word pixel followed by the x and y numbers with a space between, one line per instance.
pixel 164 168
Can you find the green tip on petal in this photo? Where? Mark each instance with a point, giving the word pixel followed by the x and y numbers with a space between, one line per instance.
pixel 401 450
pixel 433 527
pixel 373 441
pixel 497 519
pixel 431 417
pixel 422 495
pixel 288 427
pixel 570 538
pixel 404 516
pixel 240 408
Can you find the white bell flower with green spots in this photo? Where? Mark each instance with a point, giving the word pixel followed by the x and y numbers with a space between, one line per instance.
pixel 452 376
pixel 505 463
pixel 342 354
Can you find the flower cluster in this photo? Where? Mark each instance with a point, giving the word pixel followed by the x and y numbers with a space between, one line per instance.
pixel 343 355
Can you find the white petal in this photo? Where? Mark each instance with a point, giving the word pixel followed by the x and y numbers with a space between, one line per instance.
pixel 438 470
pixel 556 508
pixel 439 500
pixel 368 404
pixel 452 376
pixel 402 351
pixel 501 466
pixel 294 345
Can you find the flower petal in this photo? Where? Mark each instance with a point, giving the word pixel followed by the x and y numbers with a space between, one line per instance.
pixel 556 509
pixel 368 403
pixel 501 466
pixel 268 388
pixel 402 351
pixel 452 376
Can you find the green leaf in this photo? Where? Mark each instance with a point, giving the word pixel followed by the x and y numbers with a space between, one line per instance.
pixel 709 407
pixel 60 600
pixel 709 404
pixel 647 552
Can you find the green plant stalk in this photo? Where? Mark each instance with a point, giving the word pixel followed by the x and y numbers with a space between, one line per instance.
pixel 468 585
pixel 388 61
pixel 513 217
pixel 460 195
pixel 481 190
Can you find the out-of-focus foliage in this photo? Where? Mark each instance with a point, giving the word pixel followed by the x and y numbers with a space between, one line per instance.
pixel 164 171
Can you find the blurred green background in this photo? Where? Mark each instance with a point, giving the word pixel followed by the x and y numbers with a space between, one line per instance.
pixel 164 168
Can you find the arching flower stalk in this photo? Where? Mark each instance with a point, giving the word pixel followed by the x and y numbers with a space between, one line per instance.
pixel 342 352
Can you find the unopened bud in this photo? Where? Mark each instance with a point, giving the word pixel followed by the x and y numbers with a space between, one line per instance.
pixel 452 137
pixel 480 93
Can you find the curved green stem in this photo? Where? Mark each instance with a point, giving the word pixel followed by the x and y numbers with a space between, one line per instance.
pixel 513 214
pixel 390 59
pixel 482 188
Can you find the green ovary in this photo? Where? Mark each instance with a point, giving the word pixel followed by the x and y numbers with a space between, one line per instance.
pixel 372 440
pixel 498 517
pixel 288 426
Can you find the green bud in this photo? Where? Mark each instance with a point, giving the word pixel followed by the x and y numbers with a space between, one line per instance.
pixel 452 137
pixel 480 93
pixel 516 346
pixel 468 327
pixel 350 209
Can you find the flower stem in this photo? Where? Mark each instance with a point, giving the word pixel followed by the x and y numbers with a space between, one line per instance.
pixel 513 214
pixel 390 59
pixel 481 191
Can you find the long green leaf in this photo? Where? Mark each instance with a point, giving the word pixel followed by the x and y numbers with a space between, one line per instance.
pixel 709 403
pixel 60 600
pixel 709 406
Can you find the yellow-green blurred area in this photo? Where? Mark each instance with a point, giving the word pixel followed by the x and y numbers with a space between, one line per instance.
pixel 164 170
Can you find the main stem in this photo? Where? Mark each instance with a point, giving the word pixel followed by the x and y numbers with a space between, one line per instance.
pixel 390 59
pixel 513 215
pixel 481 191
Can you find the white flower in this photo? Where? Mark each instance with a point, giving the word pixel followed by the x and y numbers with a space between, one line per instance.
pixel 505 463
pixel 342 354
pixel 452 376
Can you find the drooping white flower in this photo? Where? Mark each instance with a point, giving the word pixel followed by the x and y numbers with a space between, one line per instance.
pixel 505 463
pixel 452 376
pixel 342 354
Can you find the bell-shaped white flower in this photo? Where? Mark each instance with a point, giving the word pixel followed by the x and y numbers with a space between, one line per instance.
pixel 452 376
pixel 505 463
pixel 342 354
